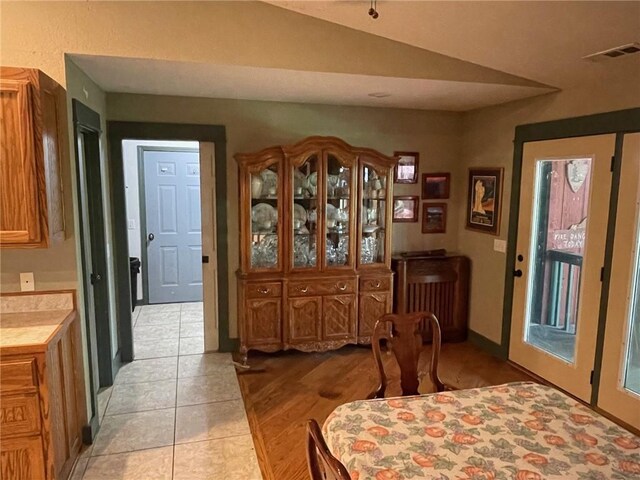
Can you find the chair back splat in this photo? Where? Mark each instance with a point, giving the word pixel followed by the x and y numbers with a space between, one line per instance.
pixel 404 333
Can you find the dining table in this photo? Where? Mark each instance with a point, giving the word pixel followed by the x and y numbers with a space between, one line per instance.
pixel 521 431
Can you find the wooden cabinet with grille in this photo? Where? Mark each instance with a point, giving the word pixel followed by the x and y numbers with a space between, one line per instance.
pixel 315 242
pixel 438 284
pixel 32 110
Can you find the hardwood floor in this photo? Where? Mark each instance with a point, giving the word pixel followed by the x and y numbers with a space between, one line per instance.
pixel 295 386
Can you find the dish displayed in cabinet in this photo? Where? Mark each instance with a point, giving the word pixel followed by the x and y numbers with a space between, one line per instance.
pixel 264 218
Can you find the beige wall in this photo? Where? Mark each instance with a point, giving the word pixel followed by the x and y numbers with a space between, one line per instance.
pixel 488 141
pixel 254 125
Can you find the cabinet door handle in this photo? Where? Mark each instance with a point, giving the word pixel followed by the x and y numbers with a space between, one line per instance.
pixel 342 287
pixel 264 290
pixel 304 290
pixel 377 284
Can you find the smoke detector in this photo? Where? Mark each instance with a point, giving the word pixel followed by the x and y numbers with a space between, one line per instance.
pixel 624 50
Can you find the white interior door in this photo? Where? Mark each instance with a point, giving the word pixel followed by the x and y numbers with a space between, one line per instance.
pixel 564 206
pixel 619 391
pixel 174 231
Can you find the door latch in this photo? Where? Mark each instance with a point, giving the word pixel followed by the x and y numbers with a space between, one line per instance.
pixel 95 278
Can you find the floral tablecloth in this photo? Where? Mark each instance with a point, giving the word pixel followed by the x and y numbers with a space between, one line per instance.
pixel 521 431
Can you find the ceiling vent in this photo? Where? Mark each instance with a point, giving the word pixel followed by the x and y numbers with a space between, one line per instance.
pixel 621 51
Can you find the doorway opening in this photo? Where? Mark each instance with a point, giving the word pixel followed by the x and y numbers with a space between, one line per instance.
pixel 163 204
pixel 162 183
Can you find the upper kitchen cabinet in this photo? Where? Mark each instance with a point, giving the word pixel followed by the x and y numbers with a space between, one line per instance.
pixel 31 111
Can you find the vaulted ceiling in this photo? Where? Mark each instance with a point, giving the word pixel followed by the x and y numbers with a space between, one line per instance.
pixel 457 56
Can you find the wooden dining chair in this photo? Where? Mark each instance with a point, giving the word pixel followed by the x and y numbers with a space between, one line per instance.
pixel 403 333
pixel 322 464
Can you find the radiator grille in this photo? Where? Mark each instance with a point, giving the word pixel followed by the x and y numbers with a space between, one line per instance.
pixel 433 297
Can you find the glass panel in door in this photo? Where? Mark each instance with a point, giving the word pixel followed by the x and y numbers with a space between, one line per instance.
pixel 565 190
pixel 374 206
pixel 337 213
pixel 265 196
pixel 305 182
pixel 561 210
pixel 619 374
pixel 631 364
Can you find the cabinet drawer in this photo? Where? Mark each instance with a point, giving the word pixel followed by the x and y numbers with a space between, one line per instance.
pixel 22 458
pixel 375 284
pixel 17 375
pixel 262 290
pixel 19 415
pixel 321 287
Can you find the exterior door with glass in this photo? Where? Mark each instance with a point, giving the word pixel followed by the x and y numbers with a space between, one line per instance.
pixel 564 207
pixel 619 387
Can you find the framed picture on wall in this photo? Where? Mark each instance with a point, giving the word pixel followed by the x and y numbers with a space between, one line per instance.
pixel 406 170
pixel 484 200
pixel 405 208
pixel 435 186
pixel 434 218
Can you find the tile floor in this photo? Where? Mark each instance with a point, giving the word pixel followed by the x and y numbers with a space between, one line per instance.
pixel 173 413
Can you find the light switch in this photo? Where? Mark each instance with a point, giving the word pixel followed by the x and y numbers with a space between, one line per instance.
pixel 27 283
pixel 500 245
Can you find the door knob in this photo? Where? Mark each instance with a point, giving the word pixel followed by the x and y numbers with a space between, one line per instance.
pixel 517 273
pixel 151 237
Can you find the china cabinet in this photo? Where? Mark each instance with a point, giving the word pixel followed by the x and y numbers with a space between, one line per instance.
pixel 31 117
pixel 315 265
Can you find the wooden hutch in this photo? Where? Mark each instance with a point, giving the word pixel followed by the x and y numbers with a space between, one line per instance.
pixel 315 253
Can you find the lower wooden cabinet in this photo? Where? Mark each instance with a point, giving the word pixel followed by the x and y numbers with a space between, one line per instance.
pixel 263 321
pixel 304 320
pixel 22 458
pixel 339 313
pixel 42 406
pixel 310 314
pixel 373 305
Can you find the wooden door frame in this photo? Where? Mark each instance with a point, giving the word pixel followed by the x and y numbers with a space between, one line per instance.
pixel 619 123
pixel 142 202
pixel 117 131
pixel 101 368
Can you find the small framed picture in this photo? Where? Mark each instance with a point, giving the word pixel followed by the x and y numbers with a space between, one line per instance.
pixel 484 200
pixel 405 208
pixel 435 186
pixel 406 170
pixel 434 218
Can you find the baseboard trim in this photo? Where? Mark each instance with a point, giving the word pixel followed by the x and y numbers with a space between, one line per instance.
pixel 489 346
pixel 90 430
pixel 229 345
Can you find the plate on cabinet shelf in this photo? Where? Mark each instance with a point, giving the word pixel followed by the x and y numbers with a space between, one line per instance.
pixel 313 179
pixel 331 211
pixel 269 182
pixel 370 228
pixel 299 213
pixel 264 216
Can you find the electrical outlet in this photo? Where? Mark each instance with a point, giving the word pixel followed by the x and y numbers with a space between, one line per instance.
pixel 500 245
pixel 27 283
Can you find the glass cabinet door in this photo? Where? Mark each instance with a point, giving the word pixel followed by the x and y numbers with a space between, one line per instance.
pixel 265 202
pixel 373 211
pixel 337 214
pixel 305 182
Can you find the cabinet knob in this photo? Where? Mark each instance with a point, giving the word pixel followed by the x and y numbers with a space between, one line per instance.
pixel 264 290
pixel 377 284
pixel 304 290
pixel 341 287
